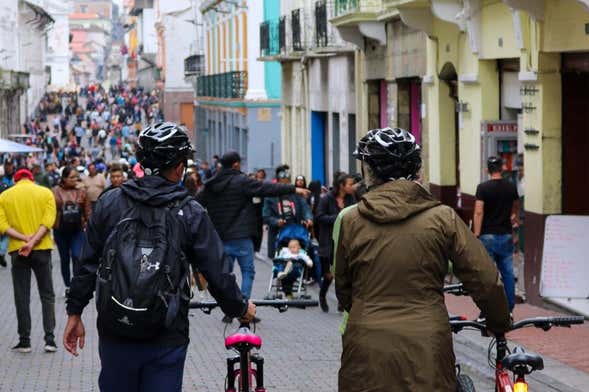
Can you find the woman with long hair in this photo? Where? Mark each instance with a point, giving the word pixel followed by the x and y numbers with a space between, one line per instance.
pixel 330 205
pixel 73 212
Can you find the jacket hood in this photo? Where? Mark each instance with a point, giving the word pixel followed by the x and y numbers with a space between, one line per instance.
pixel 221 180
pixel 395 201
pixel 153 190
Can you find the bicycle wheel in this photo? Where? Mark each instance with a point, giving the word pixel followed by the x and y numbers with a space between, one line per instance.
pixel 464 383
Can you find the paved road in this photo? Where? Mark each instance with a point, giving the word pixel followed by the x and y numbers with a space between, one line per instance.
pixel 301 347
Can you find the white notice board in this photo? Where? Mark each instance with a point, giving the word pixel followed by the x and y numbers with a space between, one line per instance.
pixel 565 259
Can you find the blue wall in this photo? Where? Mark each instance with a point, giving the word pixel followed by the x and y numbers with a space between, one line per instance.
pixel 273 73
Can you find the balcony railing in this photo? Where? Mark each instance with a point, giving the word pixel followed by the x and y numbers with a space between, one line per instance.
pixel 297 41
pixel 194 65
pixel 269 38
pixel 321 24
pixel 224 85
pixel 343 7
pixel 282 34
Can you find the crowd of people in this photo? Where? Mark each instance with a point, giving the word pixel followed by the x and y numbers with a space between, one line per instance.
pixel 132 210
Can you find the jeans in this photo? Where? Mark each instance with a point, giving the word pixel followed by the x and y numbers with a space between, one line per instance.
pixel 69 244
pixel 243 250
pixel 3 244
pixel 140 367
pixel 289 280
pixel 39 261
pixel 500 248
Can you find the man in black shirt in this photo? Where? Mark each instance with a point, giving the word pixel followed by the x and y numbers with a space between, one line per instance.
pixel 495 213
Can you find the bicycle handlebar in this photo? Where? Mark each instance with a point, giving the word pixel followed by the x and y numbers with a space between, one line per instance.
pixel 455 289
pixel 544 323
pixel 281 305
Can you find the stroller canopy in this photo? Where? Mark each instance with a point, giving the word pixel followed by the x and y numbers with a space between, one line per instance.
pixel 293 231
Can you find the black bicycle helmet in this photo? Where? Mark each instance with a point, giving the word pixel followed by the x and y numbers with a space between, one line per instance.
pixel 391 153
pixel 163 145
pixel 494 164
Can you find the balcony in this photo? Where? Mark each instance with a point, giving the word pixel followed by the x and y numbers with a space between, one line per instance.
pixel 297 34
pixel 269 38
pixel 354 11
pixel 194 65
pixel 326 37
pixel 231 85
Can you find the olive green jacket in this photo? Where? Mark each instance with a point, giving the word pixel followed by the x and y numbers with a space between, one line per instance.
pixel 391 257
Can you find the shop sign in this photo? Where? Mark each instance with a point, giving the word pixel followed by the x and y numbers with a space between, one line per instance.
pixel 501 127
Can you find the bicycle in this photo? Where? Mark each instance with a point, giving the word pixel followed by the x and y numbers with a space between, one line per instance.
pixel 518 362
pixel 244 341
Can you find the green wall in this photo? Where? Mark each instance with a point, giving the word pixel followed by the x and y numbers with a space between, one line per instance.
pixel 273 73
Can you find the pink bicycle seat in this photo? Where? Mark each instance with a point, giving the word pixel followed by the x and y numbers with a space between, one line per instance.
pixel 240 338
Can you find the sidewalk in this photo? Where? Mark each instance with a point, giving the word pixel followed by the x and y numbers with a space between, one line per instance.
pixel 565 351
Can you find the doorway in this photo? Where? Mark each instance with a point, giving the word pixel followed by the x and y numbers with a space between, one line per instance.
pixel 318 129
pixel 575 139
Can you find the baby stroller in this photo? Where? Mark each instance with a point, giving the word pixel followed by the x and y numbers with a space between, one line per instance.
pixel 288 271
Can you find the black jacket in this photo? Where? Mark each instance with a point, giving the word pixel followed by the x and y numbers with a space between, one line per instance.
pixel 198 240
pixel 228 199
pixel 327 212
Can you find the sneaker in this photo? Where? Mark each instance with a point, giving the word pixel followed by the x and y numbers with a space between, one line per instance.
pixel 50 347
pixel 22 347
pixel 481 318
pixel 227 319
pixel 323 304
pixel 282 274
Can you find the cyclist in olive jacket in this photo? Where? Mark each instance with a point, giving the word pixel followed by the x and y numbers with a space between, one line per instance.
pixel 392 252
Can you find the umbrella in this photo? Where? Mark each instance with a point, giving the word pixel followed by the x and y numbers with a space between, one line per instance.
pixel 10 146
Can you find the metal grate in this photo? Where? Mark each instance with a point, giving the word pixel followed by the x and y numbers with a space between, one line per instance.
pixel 282 34
pixel 264 38
pixel 224 85
pixel 321 24
pixel 193 65
pixel 297 44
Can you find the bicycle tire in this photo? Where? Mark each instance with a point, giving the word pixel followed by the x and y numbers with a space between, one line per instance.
pixel 464 383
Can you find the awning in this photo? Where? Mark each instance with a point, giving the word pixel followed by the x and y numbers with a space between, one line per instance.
pixel 10 146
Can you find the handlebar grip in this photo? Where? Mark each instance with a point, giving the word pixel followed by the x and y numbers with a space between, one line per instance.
pixel 565 321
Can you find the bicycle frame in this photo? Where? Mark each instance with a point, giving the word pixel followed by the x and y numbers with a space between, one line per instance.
pixel 244 341
pixel 245 360
pixel 503 381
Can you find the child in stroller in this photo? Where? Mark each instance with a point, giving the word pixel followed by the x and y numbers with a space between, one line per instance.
pixel 290 262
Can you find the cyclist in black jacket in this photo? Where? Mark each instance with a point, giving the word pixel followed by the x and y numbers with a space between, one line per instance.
pixel 156 364
pixel 227 196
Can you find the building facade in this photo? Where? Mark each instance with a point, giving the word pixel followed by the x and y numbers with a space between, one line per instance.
pixel 176 32
pixel 508 78
pixel 238 97
pixel 318 88
pixel 23 72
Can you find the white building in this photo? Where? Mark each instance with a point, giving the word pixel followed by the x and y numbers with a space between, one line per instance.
pixel 176 32
pixel 23 76
pixel 318 88
pixel 58 51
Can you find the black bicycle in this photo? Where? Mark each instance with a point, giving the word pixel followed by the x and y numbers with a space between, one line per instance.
pixel 243 342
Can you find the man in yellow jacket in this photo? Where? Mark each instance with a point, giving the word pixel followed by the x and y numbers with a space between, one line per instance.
pixel 27 212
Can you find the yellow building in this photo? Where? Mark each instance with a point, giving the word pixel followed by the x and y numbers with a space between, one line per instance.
pixel 508 78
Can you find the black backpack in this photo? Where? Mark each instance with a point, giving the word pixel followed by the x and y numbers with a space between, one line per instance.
pixel 71 217
pixel 143 273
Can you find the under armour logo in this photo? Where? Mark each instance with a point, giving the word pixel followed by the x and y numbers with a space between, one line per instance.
pixel 125 320
pixel 155 266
